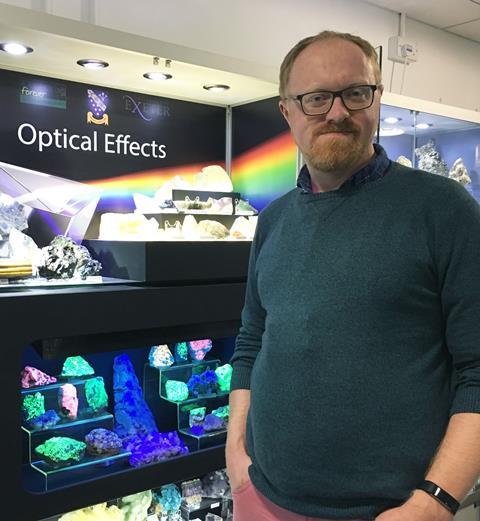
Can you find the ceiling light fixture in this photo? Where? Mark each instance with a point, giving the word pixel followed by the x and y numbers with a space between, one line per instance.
pixel 391 120
pixel 92 63
pixel 17 49
pixel 423 126
pixel 157 76
pixel 216 88
pixel 390 132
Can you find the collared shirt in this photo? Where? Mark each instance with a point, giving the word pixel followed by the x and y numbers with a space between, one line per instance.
pixel 375 169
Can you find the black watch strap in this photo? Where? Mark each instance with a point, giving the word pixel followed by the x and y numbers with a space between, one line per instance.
pixel 442 496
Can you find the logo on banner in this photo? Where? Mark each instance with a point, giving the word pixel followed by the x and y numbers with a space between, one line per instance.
pixel 97 103
pixel 41 93
pixel 147 110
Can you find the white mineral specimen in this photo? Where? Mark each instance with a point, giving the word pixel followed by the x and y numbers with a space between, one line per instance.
pixel 213 178
pixel 404 161
pixel 128 226
pixel 164 193
pixel 190 228
pixel 145 204
pixel 430 160
pixel 459 172
pixel 213 229
pixel 242 228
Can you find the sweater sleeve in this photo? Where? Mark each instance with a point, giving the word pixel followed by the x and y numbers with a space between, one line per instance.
pixel 458 262
pixel 249 339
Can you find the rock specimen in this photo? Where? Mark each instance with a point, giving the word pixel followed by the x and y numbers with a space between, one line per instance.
pixel 23 247
pixel 213 178
pixel 132 414
pixel 102 442
pixel 155 447
pixel 192 493
pixel 213 229
pixel 190 228
pixel 60 450
pixel 213 423
pixel 95 513
pixel 181 352
pixel 64 259
pixel 429 159
pixel 32 377
pixel 196 416
pixel 12 215
pixel 241 229
pixel 160 356
pixel 215 484
pixel 169 498
pixel 68 401
pixel 203 384
pixel 76 367
pixel 135 507
pixel 404 161
pixel 222 412
pixel 199 348
pixel 176 391
pixel 33 405
pixel 224 375
pixel 96 395
pixel 459 172
pixel 45 421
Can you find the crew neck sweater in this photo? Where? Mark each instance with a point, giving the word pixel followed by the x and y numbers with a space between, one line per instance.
pixel 360 337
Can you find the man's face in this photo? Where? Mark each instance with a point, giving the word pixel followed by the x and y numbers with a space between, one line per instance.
pixel 340 140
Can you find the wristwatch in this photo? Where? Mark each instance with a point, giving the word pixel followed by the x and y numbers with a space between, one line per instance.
pixel 442 496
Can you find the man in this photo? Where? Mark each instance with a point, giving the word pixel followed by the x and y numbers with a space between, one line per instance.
pixel 356 384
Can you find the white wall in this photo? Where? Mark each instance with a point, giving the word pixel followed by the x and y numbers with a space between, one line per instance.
pixel 262 31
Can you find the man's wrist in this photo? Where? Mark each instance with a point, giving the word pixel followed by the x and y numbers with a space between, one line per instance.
pixel 426 503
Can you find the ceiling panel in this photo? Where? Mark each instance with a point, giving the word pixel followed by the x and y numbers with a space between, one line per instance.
pixel 469 30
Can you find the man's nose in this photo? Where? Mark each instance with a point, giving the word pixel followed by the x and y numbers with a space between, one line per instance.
pixel 338 112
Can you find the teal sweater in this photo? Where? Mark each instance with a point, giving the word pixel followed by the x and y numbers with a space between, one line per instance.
pixel 360 337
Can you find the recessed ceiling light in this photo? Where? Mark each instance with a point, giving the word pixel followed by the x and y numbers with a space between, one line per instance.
pixel 423 126
pixel 15 48
pixel 92 63
pixel 157 76
pixel 216 88
pixel 391 120
pixel 388 132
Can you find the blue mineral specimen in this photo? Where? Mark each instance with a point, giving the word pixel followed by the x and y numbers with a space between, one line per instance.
pixel 169 498
pixel 44 421
pixel 155 447
pixel 132 414
pixel 203 384
pixel 213 423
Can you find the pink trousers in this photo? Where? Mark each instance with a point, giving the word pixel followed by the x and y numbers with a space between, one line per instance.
pixel 250 505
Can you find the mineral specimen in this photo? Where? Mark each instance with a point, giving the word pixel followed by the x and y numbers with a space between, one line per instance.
pixel 12 215
pixel 32 377
pixel 169 498
pixel 242 229
pixel 33 405
pixel 23 247
pixel 197 416
pixel 199 348
pixel 190 229
pixel 215 484
pixel 181 352
pixel 213 229
pixel 135 507
pixel 160 356
pixel 132 414
pixel 459 172
pixel 176 391
pixel 68 401
pixel 222 412
pixel 96 394
pixel 102 442
pixel 213 178
pixel 95 513
pixel 404 161
pixel 76 366
pixel 45 421
pixel 192 493
pixel 213 423
pixel 245 208
pixel 203 384
pixel 64 259
pixel 155 447
pixel 224 375
pixel 429 159
pixel 60 450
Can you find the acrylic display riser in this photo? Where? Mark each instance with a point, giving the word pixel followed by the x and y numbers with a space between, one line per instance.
pixel 155 380
pixel 55 475
pixel 216 506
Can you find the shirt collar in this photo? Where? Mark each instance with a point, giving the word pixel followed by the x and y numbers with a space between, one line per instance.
pixel 375 169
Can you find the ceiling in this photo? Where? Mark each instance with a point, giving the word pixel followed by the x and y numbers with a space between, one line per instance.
pixel 460 17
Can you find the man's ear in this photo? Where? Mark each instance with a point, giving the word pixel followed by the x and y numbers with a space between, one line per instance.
pixel 282 104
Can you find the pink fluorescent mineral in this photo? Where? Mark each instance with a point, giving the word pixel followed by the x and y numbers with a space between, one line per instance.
pixel 68 401
pixel 32 377
pixel 199 348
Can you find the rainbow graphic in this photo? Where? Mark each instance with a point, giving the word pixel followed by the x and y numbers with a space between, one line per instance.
pixel 267 171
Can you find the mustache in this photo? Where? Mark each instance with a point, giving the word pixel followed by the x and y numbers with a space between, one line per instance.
pixel 344 127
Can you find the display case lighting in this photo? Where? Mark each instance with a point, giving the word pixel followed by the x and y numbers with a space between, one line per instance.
pixel 17 49
pixel 391 120
pixel 216 88
pixel 423 126
pixel 157 76
pixel 389 132
pixel 92 63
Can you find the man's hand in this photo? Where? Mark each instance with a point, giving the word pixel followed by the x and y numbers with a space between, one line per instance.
pixel 420 507
pixel 238 462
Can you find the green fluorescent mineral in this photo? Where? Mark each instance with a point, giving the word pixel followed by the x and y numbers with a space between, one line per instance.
pixel 76 366
pixel 176 391
pixel 96 394
pixel 61 450
pixel 224 375
pixel 222 412
pixel 33 406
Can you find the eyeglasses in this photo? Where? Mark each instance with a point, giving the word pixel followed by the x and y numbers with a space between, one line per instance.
pixel 320 102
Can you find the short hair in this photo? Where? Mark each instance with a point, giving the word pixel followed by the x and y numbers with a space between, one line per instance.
pixel 292 55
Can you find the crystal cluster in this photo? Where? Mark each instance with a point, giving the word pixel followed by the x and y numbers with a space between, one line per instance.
pixel 99 512
pixel 213 423
pixel 224 376
pixel 160 356
pixel 12 215
pixel 64 259
pixel 45 421
pixel 32 377
pixel 459 172
pixel 155 447
pixel 169 498
pixel 102 442
pixel 61 450
pixel 215 484
pixel 75 367
pixel 196 416
pixel 429 159
pixel 192 493
pixel 135 507
pixel 203 384
pixel 96 395
pixel 33 405
pixel 68 401
pixel 198 349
